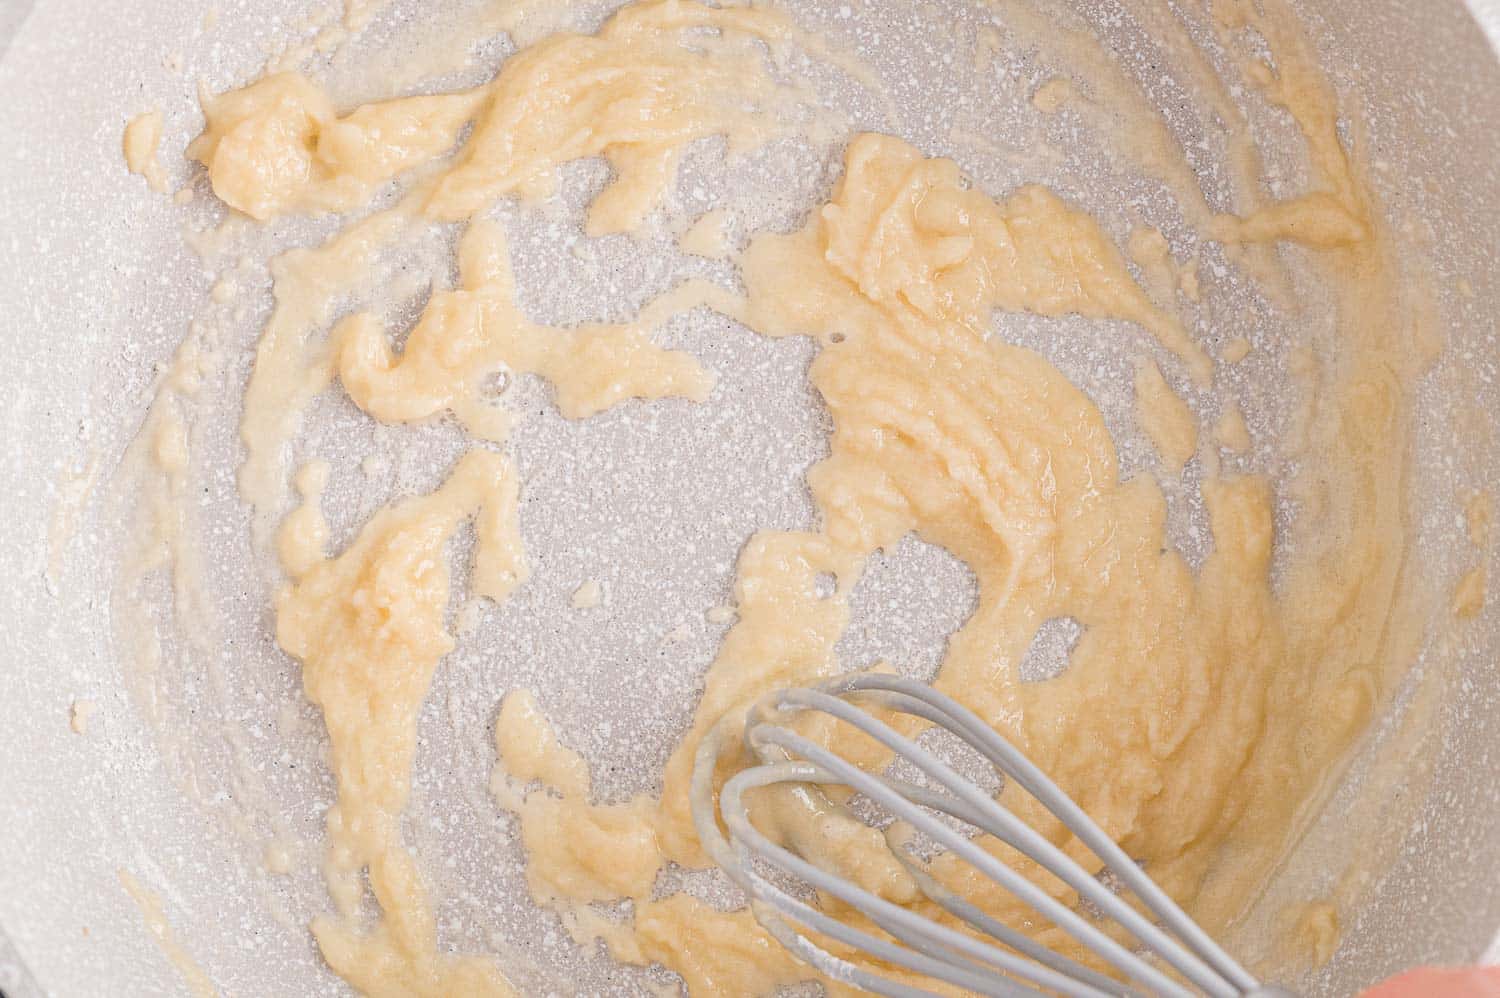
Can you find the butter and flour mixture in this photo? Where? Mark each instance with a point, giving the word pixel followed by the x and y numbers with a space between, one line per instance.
pixel 1218 671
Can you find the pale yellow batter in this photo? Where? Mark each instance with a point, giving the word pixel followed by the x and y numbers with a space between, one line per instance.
pixel 277 146
pixel 1165 417
pixel 197 980
pixel 368 628
pixel 140 142
pixel 464 335
pixel 1471 592
pixel 708 236
pixel 1201 713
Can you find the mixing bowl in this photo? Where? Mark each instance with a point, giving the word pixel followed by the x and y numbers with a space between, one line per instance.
pixel 98 285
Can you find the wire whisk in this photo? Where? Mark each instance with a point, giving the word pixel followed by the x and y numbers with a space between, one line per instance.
pixel 995 959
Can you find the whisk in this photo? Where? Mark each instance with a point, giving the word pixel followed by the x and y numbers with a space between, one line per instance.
pixel 996 960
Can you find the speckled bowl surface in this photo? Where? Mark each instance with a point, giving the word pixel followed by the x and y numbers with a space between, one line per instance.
pixel 97 287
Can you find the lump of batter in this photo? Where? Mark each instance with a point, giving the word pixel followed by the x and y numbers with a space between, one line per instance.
pixel 142 137
pixel 277 145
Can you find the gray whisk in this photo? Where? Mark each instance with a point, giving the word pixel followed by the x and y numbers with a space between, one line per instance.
pixel 994 960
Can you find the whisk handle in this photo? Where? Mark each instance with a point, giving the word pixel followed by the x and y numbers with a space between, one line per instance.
pixel 1270 991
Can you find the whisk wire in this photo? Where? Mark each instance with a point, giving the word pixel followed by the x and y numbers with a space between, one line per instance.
pixel 1004 825
pixel 1038 899
pixel 749 841
pixel 908 927
pixel 980 736
pixel 967 912
pixel 1019 964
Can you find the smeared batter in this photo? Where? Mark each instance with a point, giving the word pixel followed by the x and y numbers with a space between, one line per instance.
pixel 1470 594
pixel 1189 702
pixel 1193 699
pixel 198 982
pixel 368 628
pixel 465 335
